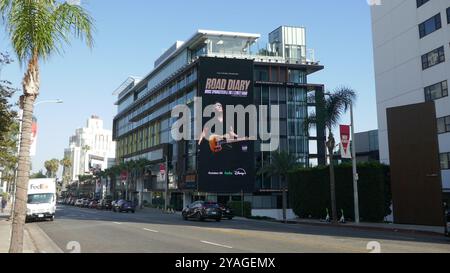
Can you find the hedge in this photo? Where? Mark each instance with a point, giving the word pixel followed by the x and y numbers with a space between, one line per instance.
pixel 309 191
pixel 236 207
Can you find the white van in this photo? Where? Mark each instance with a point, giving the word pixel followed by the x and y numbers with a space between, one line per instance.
pixel 41 203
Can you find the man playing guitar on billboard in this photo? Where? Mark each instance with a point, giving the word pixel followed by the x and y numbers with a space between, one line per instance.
pixel 216 142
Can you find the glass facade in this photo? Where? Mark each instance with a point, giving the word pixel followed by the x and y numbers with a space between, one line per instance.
pixel 293 136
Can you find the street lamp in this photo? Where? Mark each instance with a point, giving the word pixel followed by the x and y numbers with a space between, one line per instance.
pixel 58 101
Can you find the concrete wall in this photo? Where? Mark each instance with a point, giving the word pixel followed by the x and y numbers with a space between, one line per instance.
pixel 274 213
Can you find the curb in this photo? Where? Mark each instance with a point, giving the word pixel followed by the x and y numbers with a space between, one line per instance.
pixel 40 240
pixel 388 229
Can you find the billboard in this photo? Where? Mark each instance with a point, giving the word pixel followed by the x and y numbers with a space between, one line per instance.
pixel 225 159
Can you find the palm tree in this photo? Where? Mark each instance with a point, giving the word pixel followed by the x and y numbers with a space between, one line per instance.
pixel 335 105
pixel 141 165
pixel 52 167
pixel 281 164
pixel 66 163
pixel 37 29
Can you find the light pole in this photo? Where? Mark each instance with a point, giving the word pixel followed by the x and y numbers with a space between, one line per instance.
pixel 355 171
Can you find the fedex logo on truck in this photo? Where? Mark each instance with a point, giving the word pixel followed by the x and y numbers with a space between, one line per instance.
pixel 39 187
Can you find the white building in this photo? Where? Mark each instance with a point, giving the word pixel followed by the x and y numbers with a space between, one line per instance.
pixel 90 148
pixel 412 64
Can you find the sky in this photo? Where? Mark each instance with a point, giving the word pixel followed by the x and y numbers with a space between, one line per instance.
pixel 131 34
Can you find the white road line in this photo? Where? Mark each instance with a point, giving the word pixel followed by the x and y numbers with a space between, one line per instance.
pixel 117 223
pixel 214 244
pixel 151 230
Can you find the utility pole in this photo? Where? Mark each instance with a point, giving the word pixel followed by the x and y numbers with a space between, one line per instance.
pixel 355 171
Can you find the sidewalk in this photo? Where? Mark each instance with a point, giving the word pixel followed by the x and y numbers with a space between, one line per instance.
pixel 34 239
pixel 5 235
pixel 425 230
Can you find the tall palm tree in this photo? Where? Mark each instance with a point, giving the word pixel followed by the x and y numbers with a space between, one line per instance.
pixel 281 164
pixel 52 167
pixel 37 29
pixel 66 163
pixel 335 104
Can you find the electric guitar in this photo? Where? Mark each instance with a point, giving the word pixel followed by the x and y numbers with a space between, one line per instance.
pixel 216 142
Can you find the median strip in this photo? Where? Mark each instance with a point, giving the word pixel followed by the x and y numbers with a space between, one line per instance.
pixel 214 244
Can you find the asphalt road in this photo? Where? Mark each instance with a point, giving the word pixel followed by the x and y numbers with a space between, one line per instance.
pixel 93 231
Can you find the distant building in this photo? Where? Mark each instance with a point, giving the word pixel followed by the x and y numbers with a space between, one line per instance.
pixel 90 148
pixel 367 146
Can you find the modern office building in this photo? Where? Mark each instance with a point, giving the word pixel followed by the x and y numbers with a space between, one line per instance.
pixel 90 148
pixel 221 68
pixel 412 65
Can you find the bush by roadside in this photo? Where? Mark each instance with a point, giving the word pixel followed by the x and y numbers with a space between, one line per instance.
pixel 309 191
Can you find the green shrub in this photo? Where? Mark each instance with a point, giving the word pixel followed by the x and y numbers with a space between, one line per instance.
pixel 309 191
pixel 236 206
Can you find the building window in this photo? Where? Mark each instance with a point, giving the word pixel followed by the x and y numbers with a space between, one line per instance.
pixel 433 58
pixel 443 125
pixel 445 161
pixel 297 76
pixel 262 74
pixel 448 16
pixel 421 2
pixel 430 25
pixel 436 91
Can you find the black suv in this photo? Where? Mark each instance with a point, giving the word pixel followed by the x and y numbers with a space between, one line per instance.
pixel 123 205
pixel 202 210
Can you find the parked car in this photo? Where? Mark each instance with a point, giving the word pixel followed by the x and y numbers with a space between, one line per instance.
pixel 227 212
pixel 86 203
pixel 202 210
pixel 105 204
pixel 93 204
pixel 124 206
pixel 79 203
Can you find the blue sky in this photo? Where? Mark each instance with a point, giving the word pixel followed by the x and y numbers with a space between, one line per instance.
pixel 131 34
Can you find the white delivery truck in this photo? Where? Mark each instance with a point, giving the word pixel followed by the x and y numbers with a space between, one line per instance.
pixel 41 203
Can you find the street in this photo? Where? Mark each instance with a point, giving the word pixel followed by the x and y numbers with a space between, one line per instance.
pixel 150 231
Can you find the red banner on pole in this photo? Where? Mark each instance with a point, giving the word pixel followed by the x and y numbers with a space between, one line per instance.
pixel 345 142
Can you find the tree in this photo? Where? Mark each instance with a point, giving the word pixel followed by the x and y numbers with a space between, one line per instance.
pixel 52 167
pixel 9 125
pixel 66 163
pixel 280 165
pixel 37 29
pixel 38 175
pixel 9 128
pixel 335 105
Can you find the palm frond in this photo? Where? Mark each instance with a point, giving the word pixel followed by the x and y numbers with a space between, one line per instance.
pixel 40 28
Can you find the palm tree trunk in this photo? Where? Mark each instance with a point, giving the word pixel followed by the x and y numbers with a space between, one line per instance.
pixel 333 191
pixel 20 207
pixel 30 85
pixel 284 200
pixel 330 145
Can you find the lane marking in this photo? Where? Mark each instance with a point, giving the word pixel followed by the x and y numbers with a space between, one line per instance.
pixel 214 244
pixel 117 223
pixel 151 230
